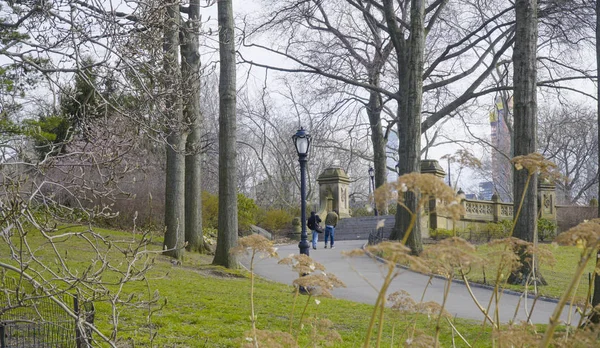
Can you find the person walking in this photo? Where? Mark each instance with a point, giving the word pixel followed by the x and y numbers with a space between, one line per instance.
pixel 331 221
pixel 313 223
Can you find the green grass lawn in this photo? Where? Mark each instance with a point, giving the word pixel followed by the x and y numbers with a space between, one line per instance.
pixel 200 305
pixel 558 275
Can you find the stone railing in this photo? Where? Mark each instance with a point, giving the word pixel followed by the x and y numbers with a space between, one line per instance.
pixel 487 210
pixel 477 215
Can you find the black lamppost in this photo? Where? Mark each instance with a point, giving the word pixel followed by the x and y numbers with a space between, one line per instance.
pixel 302 143
pixel 372 175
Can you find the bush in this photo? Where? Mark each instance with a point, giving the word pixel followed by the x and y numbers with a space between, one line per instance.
pixel 247 211
pixel 392 208
pixel 275 220
pixel 546 229
pixel 362 210
pixel 440 233
pixel 498 230
pixel 210 210
pixel 210 235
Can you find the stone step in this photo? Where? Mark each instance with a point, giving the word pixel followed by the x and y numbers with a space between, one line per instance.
pixel 361 227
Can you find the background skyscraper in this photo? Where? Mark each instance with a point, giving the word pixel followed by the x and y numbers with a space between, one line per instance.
pixel 501 148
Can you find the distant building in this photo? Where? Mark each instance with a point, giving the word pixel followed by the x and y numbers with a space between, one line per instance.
pixel 486 190
pixel 501 151
pixel 470 196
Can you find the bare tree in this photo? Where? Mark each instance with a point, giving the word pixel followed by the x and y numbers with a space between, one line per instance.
pixel 409 54
pixel 190 66
pixel 442 58
pixel 228 224
pixel 175 178
pixel 525 128
pixel 267 122
pixel 567 135
pixel 358 50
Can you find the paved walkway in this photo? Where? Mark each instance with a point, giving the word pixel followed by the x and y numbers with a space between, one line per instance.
pixel 355 272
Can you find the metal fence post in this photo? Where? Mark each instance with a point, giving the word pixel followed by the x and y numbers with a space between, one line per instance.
pixel 2 337
pixel 78 339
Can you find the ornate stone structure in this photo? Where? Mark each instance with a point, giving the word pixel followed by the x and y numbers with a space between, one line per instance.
pixel 431 220
pixel 333 192
pixel 547 199
pixel 431 166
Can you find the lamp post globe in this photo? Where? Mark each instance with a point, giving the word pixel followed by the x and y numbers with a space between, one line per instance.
pixel 302 144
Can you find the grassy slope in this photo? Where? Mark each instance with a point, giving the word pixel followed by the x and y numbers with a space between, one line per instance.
pixel 558 276
pixel 209 307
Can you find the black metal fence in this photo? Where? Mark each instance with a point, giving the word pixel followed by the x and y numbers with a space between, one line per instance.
pixel 28 318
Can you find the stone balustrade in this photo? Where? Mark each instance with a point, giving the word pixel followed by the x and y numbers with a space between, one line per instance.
pixel 493 211
pixel 334 194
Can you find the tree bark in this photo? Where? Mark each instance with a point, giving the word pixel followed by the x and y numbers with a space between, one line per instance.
pixel 525 128
pixel 190 68
pixel 598 91
pixel 228 221
pixel 175 180
pixel 378 140
pixel 410 71
pixel 595 317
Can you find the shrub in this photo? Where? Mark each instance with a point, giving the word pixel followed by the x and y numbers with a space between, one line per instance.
pixel 210 210
pixel 210 236
pixel 440 233
pixel 498 230
pixel 362 210
pixel 276 220
pixel 593 202
pixel 392 209
pixel 247 211
pixel 546 229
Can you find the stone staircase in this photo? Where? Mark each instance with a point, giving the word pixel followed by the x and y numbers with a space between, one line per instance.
pixel 360 227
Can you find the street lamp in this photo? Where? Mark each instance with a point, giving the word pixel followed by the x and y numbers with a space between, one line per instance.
pixel 372 175
pixel 302 143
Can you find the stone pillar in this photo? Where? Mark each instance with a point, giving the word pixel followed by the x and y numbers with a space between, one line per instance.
pixel 496 207
pixel 547 200
pixel 430 166
pixel 333 192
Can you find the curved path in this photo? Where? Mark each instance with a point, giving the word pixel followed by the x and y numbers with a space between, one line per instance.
pixel 355 272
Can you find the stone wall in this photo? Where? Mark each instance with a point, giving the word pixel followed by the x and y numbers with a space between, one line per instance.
pixel 570 216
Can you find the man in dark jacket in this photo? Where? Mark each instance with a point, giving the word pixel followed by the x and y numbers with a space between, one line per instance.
pixel 313 223
pixel 331 221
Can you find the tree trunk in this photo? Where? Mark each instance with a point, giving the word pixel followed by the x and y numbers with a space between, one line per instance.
pixel 175 180
pixel 377 139
pixel 598 87
pixel 595 317
pixel 409 116
pixel 228 222
pixel 190 68
pixel 525 128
